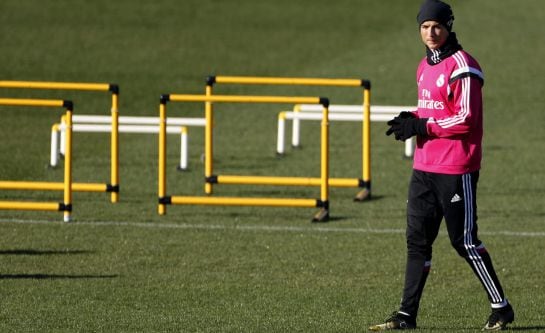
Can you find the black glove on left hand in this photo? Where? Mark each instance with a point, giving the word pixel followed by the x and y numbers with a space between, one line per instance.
pixel 404 128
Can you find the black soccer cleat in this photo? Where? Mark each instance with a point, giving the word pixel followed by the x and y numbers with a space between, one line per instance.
pixel 396 321
pixel 499 318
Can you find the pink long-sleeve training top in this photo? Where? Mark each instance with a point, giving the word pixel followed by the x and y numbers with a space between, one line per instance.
pixel 449 94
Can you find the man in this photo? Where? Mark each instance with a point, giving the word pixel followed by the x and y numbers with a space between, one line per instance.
pixel 449 129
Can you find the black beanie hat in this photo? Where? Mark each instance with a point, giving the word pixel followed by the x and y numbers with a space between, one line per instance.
pixel 435 10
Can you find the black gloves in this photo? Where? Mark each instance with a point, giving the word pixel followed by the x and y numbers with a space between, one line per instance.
pixel 406 125
pixel 406 115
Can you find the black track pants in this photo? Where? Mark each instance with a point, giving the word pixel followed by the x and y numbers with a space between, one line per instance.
pixel 433 197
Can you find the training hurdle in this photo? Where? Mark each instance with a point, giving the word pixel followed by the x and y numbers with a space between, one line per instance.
pixel 364 182
pixel 127 124
pixel 323 181
pixel 337 112
pixel 113 186
pixel 66 186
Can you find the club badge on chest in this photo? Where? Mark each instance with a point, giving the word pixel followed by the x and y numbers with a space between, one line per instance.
pixel 440 81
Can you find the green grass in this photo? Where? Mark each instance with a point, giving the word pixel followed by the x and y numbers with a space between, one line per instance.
pixel 123 268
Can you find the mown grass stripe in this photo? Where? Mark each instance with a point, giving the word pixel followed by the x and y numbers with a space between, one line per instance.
pixel 203 226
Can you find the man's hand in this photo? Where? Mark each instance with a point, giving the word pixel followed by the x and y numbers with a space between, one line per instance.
pixel 406 115
pixel 406 125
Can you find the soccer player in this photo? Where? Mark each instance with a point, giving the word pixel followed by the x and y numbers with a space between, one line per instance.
pixel 448 125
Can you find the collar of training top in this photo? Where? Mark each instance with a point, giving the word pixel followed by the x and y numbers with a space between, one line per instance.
pixel 450 47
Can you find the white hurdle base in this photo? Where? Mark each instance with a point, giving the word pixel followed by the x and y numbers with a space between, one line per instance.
pixel 379 113
pixel 138 125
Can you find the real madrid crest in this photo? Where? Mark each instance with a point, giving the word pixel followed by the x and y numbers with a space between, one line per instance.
pixel 440 81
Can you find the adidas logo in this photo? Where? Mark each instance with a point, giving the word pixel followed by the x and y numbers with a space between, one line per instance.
pixel 456 198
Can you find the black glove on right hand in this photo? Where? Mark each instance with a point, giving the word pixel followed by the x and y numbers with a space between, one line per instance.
pixel 404 128
pixel 406 115
pixel 401 115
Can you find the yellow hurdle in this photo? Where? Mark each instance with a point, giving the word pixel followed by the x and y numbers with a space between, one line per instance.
pixel 323 181
pixel 66 186
pixel 113 186
pixel 364 182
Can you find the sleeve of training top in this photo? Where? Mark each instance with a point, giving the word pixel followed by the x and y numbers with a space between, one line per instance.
pixel 464 98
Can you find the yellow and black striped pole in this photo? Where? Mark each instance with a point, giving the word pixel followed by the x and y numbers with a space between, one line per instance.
pixel 209 140
pixel 68 165
pixel 114 150
pixel 162 183
pixel 365 193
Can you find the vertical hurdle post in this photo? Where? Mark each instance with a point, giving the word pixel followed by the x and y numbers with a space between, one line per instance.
pixel 183 149
pixel 62 144
pixel 365 194
pixel 323 214
pixel 114 159
pixel 296 128
pixel 208 137
pixel 162 154
pixel 54 155
pixel 68 163
pixel 280 133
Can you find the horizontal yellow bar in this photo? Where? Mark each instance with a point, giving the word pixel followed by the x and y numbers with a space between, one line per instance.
pixel 344 182
pixel 21 205
pixel 55 85
pixel 264 180
pixel 286 181
pixel 245 99
pixel 50 186
pixel 31 102
pixel 89 187
pixel 235 201
pixel 288 81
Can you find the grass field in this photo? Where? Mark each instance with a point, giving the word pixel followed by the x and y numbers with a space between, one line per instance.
pixel 123 268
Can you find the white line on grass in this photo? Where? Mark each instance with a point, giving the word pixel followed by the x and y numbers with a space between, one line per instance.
pixel 310 228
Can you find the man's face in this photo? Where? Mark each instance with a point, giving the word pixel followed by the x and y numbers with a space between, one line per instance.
pixel 433 34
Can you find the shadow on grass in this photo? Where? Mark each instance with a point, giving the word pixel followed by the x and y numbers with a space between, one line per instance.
pixel 53 277
pixel 336 219
pixel 331 219
pixel 536 328
pixel 375 198
pixel 31 252
pixel 527 328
